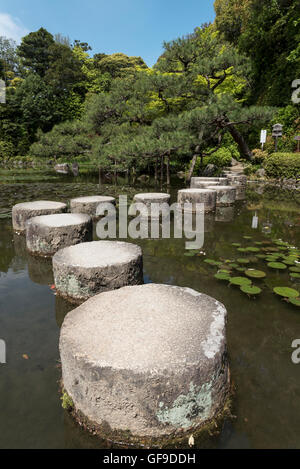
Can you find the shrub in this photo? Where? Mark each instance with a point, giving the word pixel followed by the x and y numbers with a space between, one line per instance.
pixel 6 149
pixel 259 155
pixel 283 165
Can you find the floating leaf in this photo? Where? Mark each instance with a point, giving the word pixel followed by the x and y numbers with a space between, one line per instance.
pixel 294 275
pixel 252 249
pixel 250 290
pixel 295 269
pixel 252 273
pixel 240 281
pixel 277 265
pixel 286 292
pixel 243 261
pixel 222 276
pixel 295 301
pixel 236 245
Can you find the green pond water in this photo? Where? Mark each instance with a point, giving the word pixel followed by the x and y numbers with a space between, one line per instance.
pixel 260 331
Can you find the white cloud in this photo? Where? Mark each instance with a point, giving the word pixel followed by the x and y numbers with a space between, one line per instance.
pixel 12 27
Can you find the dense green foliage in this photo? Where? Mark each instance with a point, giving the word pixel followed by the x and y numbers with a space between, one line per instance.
pixel 283 165
pixel 204 101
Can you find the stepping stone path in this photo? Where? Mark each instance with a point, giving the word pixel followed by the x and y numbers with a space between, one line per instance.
pixel 86 269
pixel 150 360
pixel 46 234
pixel 24 211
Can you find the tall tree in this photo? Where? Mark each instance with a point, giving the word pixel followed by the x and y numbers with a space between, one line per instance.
pixel 34 51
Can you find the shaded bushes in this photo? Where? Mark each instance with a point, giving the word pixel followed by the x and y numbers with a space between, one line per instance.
pixel 283 165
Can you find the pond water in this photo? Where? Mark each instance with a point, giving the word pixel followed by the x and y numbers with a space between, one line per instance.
pixel 260 331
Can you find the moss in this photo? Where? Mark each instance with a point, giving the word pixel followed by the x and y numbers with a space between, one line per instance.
pixel 66 401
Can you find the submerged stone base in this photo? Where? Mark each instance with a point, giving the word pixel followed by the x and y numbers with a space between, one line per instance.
pixel 87 269
pixel 45 235
pixel 146 361
pixel 24 211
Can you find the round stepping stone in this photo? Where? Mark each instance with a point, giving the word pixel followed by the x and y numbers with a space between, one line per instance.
pixel 90 204
pixel 154 205
pixel 24 211
pixel 197 182
pixel 238 180
pixel 46 234
pixel 205 184
pixel 84 270
pixel 207 197
pixel 226 195
pixel 147 359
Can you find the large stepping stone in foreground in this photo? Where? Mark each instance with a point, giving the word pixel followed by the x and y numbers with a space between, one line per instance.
pixel 84 270
pixel 90 204
pixel 226 195
pixel 156 205
pixel 207 197
pixel 199 182
pixel 46 234
pixel 24 211
pixel 150 360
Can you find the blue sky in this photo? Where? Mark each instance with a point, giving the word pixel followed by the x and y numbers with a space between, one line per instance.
pixel 134 27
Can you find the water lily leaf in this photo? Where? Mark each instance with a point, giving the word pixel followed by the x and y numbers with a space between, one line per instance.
pixel 286 292
pixel 277 265
pixel 243 261
pixel 250 290
pixel 222 276
pixel 295 301
pixel 240 281
pixel 252 273
pixel 295 269
pixel 294 275
pixel 236 245
pixel 252 249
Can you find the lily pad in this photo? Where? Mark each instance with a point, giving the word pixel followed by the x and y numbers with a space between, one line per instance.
pixel 252 249
pixel 243 261
pixel 277 265
pixel 295 269
pixel 222 276
pixel 253 273
pixel 250 290
pixel 295 301
pixel 294 275
pixel 240 281
pixel 286 292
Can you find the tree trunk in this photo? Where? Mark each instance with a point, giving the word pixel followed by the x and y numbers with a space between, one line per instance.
pixel 100 177
pixel 192 167
pixel 115 173
pixel 239 139
pixel 156 171
pixel 168 171
pixel 161 171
